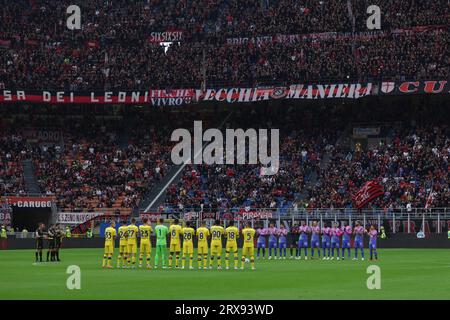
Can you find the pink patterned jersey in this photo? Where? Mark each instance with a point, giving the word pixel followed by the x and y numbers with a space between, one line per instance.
pixel 359 231
pixel 347 230
pixel 326 231
pixel 373 234
pixel 282 232
pixel 336 232
pixel 262 232
pixel 272 231
pixel 315 230
pixel 304 229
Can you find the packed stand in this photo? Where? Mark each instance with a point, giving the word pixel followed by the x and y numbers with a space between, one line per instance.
pixel 225 188
pixel 113 50
pixel 319 169
pixel 415 161
pixel 13 150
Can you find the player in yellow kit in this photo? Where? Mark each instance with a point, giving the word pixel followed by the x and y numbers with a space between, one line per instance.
pixel 216 244
pixel 123 246
pixel 231 233
pixel 202 245
pixel 188 245
pixel 145 230
pixel 110 235
pixel 132 242
pixel 248 248
pixel 175 243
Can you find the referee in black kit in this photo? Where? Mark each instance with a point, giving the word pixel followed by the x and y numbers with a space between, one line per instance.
pixel 39 235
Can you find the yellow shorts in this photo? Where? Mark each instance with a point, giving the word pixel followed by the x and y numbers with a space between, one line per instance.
pixel 145 247
pixel 132 248
pixel 188 248
pixel 231 247
pixel 248 250
pixel 123 248
pixel 202 248
pixel 109 248
pixel 216 248
pixel 174 247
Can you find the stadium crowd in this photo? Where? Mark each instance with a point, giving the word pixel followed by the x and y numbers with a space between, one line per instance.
pixel 113 50
pixel 97 165
pixel 408 166
pixel 317 171
pixel 215 188
pixel 13 151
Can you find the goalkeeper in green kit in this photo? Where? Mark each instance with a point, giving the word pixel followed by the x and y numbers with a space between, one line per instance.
pixel 161 243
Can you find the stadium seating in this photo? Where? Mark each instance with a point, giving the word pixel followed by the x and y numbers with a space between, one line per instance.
pixel 97 167
pixel 39 52
pixel 12 151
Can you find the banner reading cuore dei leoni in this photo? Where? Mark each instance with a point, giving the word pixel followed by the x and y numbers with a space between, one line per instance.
pixel 177 97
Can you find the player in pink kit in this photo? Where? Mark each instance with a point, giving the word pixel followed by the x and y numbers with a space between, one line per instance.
pixel 315 239
pixel 347 233
pixel 326 242
pixel 261 243
pixel 336 233
pixel 272 232
pixel 303 240
pixel 373 234
pixel 359 231
pixel 282 241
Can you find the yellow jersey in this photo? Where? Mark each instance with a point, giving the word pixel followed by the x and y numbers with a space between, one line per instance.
pixel 123 235
pixel 231 233
pixel 132 232
pixel 145 231
pixel 110 234
pixel 175 231
pixel 216 233
pixel 202 235
pixel 188 235
pixel 249 236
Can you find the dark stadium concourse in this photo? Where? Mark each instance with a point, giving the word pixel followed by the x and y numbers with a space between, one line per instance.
pixel 29 218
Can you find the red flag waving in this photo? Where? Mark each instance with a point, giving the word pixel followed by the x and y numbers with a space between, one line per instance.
pixel 369 191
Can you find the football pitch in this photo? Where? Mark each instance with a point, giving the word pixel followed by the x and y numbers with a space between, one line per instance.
pixel 405 274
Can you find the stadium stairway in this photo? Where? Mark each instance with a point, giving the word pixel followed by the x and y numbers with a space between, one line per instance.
pixel 31 183
pixel 157 195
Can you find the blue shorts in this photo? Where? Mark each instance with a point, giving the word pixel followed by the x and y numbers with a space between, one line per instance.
pixel 326 244
pixel 272 244
pixel 315 243
pixel 303 243
pixel 346 244
pixel 372 245
pixel 260 244
pixel 335 244
pixel 358 243
pixel 282 245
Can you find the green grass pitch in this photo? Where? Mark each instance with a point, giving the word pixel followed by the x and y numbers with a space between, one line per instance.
pixel 405 274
